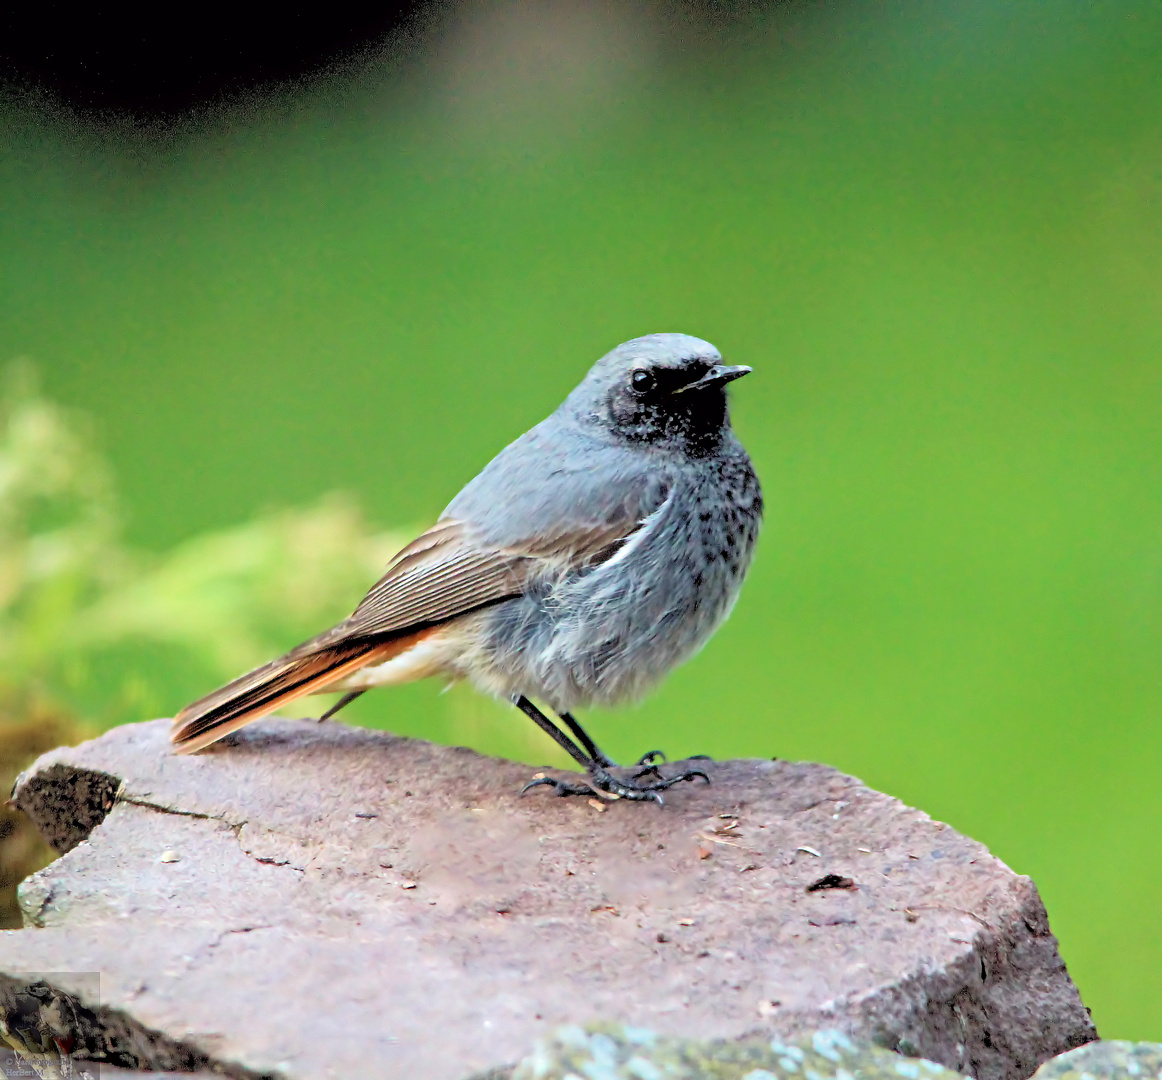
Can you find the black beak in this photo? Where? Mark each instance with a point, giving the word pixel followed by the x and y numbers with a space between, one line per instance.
pixel 719 375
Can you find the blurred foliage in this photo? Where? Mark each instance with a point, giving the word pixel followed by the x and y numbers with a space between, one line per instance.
pixel 94 630
pixel 58 533
pixel 93 634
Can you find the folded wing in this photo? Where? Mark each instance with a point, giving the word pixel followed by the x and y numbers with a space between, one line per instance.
pixel 441 575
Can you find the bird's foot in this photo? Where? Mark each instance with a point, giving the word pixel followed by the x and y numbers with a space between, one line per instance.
pixel 650 767
pixel 647 758
pixel 602 781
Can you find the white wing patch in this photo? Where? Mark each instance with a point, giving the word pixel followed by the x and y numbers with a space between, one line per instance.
pixel 639 535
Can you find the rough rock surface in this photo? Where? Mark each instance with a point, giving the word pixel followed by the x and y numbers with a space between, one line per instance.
pixel 1111 1058
pixel 619 1052
pixel 328 901
pixel 13 1065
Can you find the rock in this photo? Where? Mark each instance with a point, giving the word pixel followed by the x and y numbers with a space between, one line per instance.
pixel 13 1065
pixel 1111 1058
pixel 46 1027
pixel 617 1052
pixel 323 900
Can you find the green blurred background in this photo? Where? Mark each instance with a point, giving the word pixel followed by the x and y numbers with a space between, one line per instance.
pixel 933 229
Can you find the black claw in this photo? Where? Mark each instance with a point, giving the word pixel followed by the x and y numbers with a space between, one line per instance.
pixel 601 780
pixel 650 756
pixel 700 757
pixel 560 787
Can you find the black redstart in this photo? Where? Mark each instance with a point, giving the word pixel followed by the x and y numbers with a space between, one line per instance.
pixel 586 560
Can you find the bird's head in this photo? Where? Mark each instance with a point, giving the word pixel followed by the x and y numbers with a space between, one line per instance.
pixel 662 389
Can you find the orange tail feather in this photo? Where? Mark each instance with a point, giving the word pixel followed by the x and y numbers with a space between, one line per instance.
pixel 261 691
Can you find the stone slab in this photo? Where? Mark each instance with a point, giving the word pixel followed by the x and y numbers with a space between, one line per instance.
pixel 318 901
pixel 620 1052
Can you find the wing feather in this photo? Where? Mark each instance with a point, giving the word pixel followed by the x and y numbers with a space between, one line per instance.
pixel 441 574
pixel 444 573
pixel 438 576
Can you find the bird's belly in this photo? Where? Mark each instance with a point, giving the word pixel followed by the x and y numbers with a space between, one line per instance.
pixel 607 637
pixel 609 633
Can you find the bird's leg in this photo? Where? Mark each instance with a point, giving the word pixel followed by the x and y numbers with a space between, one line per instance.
pixel 554 732
pixel 596 764
pixel 345 700
pixel 582 736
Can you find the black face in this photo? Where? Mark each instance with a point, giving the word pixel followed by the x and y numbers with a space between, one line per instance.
pixel 683 403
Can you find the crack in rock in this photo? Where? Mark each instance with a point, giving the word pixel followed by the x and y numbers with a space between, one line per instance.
pixel 249 844
pixel 161 809
pixel 68 802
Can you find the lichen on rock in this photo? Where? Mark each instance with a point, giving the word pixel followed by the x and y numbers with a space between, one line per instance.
pixel 620 1052
pixel 1112 1058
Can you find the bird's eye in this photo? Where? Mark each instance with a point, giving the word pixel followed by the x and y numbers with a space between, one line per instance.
pixel 642 381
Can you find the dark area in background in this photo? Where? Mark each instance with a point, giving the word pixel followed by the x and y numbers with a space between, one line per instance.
pixel 159 63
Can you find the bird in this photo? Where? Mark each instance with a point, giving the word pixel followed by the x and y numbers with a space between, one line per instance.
pixel 591 556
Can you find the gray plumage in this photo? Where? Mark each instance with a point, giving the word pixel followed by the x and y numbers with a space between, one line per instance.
pixel 606 633
pixel 586 560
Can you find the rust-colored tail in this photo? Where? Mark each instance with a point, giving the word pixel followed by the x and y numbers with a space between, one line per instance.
pixel 304 670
